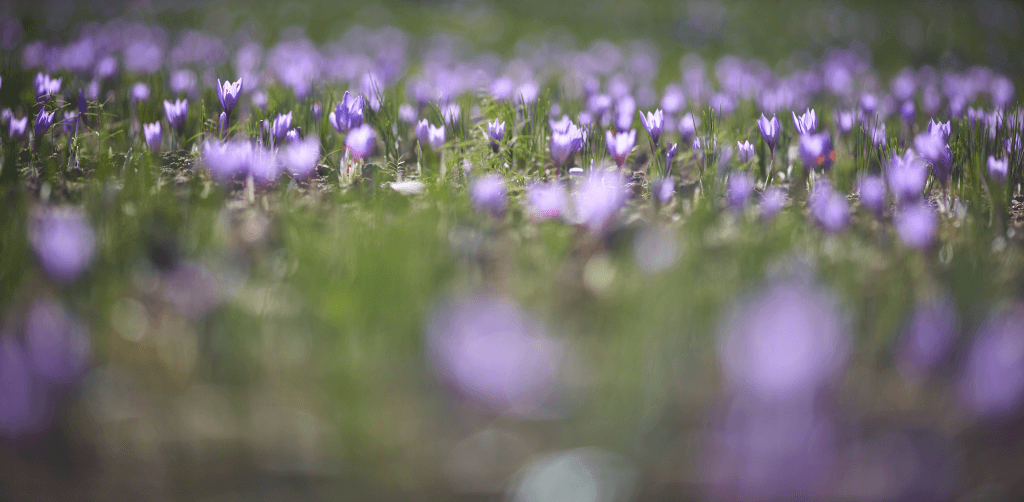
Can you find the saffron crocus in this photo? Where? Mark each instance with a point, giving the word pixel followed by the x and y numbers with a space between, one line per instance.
pixel 16 128
pixel 770 130
pixel 872 193
pixel 545 200
pixel 688 128
pixel 279 128
pixel 430 135
pixel 745 151
pixel 361 141
pixel 43 122
pixel 740 188
pixel 153 135
pixel 816 151
pixel 829 208
pixel 227 93
pixel 915 224
pixel 176 113
pixel 932 148
pixel 998 168
pixel 654 123
pixel 496 131
pixel 806 123
pixel 620 145
pixel 64 242
pixel 348 113
pixel 488 194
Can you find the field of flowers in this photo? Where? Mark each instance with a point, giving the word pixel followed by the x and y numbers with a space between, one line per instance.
pixel 394 265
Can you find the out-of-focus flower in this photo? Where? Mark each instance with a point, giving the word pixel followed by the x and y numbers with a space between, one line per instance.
pixel 770 130
pixel 226 160
pixel 845 120
pixel 192 288
pixel 877 134
pixel 494 353
pixel 348 113
pixel 939 128
pixel 915 224
pixel 872 193
pixel 906 176
pixel 26 406
pixel 56 343
pixel 688 128
pixel 64 242
pixel 317 110
pixel 227 93
pixel 16 128
pixel 654 123
pixel 620 145
pixel 361 141
pixel 664 189
pixel 279 128
pixel 673 99
pixel 429 135
pixel 745 151
pixel 300 157
pixel 992 383
pixel 566 140
pixel 806 123
pixel 816 151
pixel 177 113
pixel 183 82
pixel 740 188
pixel 139 92
pixel 153 134
pixel 496 131
pixel 545 200
pixel 43 122
pixel 998 168
pixel 46 86
pixel 599 198
pixel 829 208
pixel 927 336
pixel 908 111
pixel 932 148
pixel 264 166
pixel 488 194
pixel 772 201
pixel 406 113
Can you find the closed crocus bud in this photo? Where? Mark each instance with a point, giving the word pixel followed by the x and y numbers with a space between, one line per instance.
pixel 620 145
pixel 770 130
pixel 496 131
pixel 279 128
pixel 806 123
pixel 488 195
pixel 654 123
pixel 745 151
pixel 915 224
pixel 43 122
pixel 83 105
pixel 361 141
pixel 670 153
pixel 664 189
pixel 227 93
pixel 872 193
pixel 317 110
pixel 153 135
pixel 176 113
pixel 223 123
pixel 816 151
pixel 16 128
pixel 998 168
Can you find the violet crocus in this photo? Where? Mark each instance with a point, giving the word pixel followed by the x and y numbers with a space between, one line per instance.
pixel 488 195
pixel 908 111
pixel 263 166
pixel 545 200
pixel 16 128
pixel 139 92
pixel 496 133
pixel 992 382
pixel 670 153
pixel 64 243
pixel 361 141
pixel 806 123
pixel 770 130
pixel 227 93
pixel 871 189
pixel 43 122
pixel 430 135
pixel 663 190
pixel 46 86
pixel 620 145
pixel 599 198
pixel 915 224
pixel 654 123
pixel 773 200
pixel 83 105
pixel 176 113
pixel 348 113
pixel 153 136
pixel 56 342
pixel 226 160
pixel 300 156
pixel 877 133
pixel 688 128
pixel 26 406
pixel 906 176
pixel 566 140
pixel 998 169
pixel 745 151
pixel 933 149
pixel 845 120
pixel 280 127
pixel 829 208
pixel 816 151
pixel 740 188
pixel 407 114
pixel 939 128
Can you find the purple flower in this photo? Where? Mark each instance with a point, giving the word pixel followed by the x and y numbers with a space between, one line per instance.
pixel 263 166
pixel 16 128
pixel 227 160
pixel 664 189
pixel 222 122
pixel 153 135
pixel 176 113
pixel 64 242
pixel 348 113
pixel 566 140
pixel 670 153
pixel 279 128
pixel 56 343
pixel 620 145
pixel 46 87
pixel 932 148
pixel 300 157
pixel 688 128
pixel 26 406
pixel 906 176
pixel 430 135
pixel 654 123
pixel 772 201
pixel 745 151
pixel 599 198
pixel 741 187
pixel 806 123
pixel 43 122
pixel 140 92
pixel 992 382
pixel 927 336
pixel 361 141
pixel 488 194
pixel 406 113
pixel 83 105
pixel 939 128
pixel 915 224
pixel 770 130
pixel 545 200
pixel 673 98
pixel 183 82
pixel 878 134
pixel 872 193
pixel 496 131
pixel 908 111
pixel 494 353
pixel 816 151
pixel 317 110
pixel 829 208
pixel 845 120
pixel 997 169
pixel 783 343
pixel 227 93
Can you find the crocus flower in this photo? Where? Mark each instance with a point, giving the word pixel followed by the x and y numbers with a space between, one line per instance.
pixel 745 151
pixel 878 134
pixel 772 201
pixel 688 128
pixel 227 93
pixel 915 224
pixel 939 128
pixel 654 123
pixel 406 113
pixel 16 128
pixel 496 131
pixel 664 189
pixel 545 200
pixel 222 121
pixel 153 135
pixel 279 128
pixel 906 176
pixel 770 130
pixel 488 194
pixel 872 193
pixel 300 157
pixel 806 123
pixel 816 151
pixel 620 145
pixel 845 120
pixel 227 160
pixel 829 208
pixel 927 336
pixel 998 168
pixel 348 113
pixel 599 198
pixel 740 188
pixel 361 141
pixel 992 383
pixel 64 242
pixel 56 343
pixel 263 166
pixel 429 135
pixel 43 122
pixel 46 86
pixel 907 111
pixel 933 149
pixel 670 153
pixel 140 92
pixel 83 105
pixel 26 406
pixel 317 110
pixel 176 113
